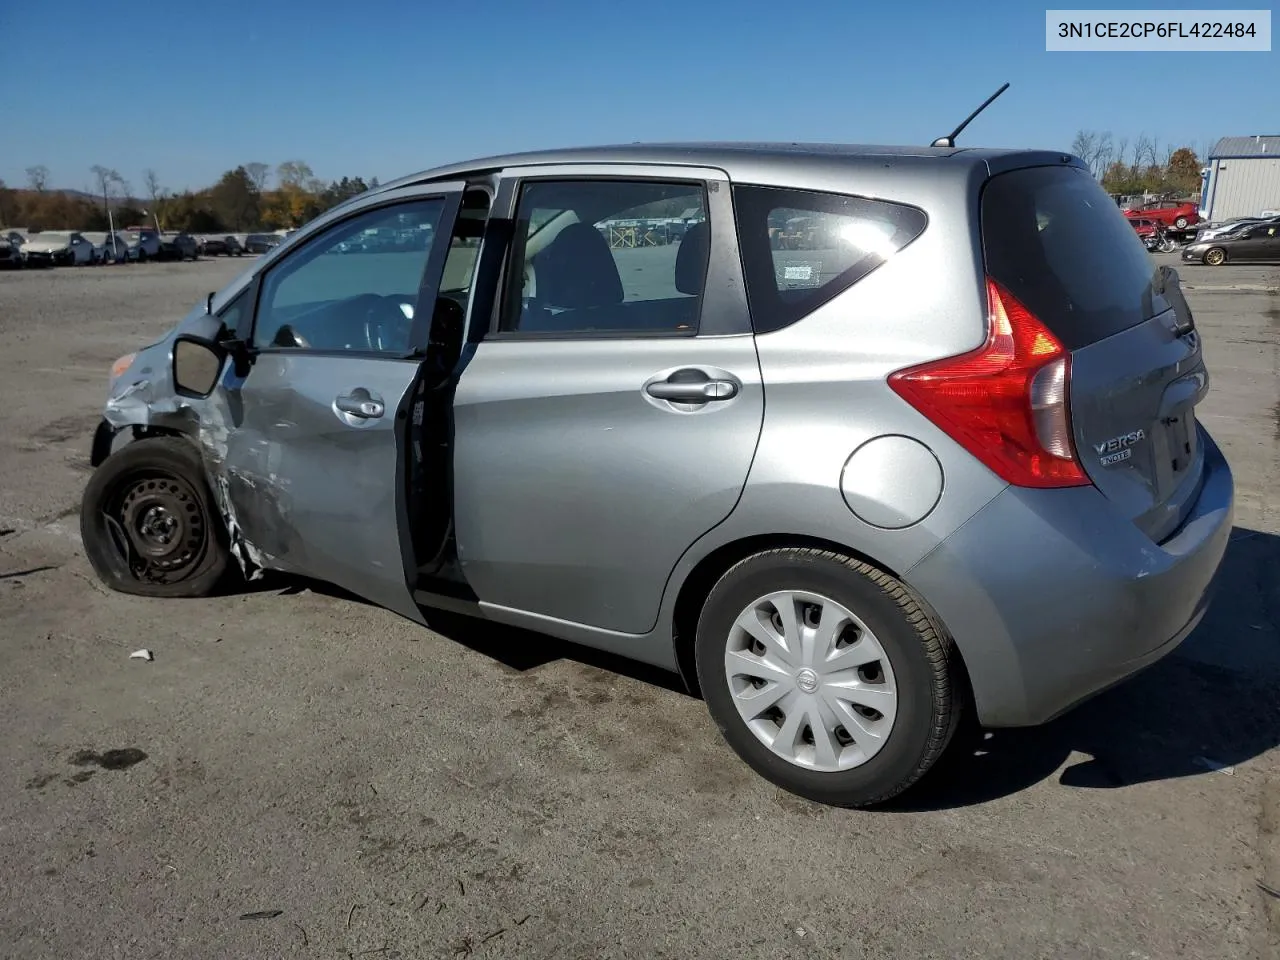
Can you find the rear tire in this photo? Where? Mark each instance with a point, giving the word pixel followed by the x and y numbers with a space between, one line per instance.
pixel 1181 223
pixel 859 707
pixel 148 522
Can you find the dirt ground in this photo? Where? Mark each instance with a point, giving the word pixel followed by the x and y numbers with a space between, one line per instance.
pixel 297 774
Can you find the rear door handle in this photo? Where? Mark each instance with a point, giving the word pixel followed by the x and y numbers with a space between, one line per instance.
pixel 692 386
pixel 359 403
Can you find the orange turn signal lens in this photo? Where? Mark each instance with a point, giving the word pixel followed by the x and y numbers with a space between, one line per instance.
pixel 121 365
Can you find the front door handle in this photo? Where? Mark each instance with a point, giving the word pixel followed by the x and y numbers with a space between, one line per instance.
pixel 692 386
pixel 359 403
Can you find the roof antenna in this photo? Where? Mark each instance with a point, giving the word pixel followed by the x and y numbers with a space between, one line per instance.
pixel 950 139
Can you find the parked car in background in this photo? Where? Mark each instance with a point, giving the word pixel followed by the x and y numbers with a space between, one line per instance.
pixel 10 254
pixel 1226 227
pixel 979 482
pixel 61 248
pixel 144 243
pixel 1179 214
pixel 1154 235
pixel 115 248
pixel 176 245
pixel 96 238
pixel 1250 243
pixel 220 246
pixel 1142 226
pixel 261 242
pixel 11 251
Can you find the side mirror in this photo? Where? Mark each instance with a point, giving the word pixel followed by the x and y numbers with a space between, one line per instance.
pixel 196 365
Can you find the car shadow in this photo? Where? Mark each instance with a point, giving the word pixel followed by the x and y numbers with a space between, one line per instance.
pixel 524 650
pixel 517 649
pixel 1211 704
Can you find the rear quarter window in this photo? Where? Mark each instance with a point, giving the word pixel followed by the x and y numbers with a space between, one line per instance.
pixel 1058 243
pixel 801 248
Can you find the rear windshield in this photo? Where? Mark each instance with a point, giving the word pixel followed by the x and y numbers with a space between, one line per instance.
pixel 1053 237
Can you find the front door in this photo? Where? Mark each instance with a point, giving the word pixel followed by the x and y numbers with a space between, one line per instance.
pixel 318 427
pixel 609 416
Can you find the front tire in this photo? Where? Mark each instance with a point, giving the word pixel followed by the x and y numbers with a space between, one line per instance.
pixel 1181 223
pixel 827 676
pixel 148 523
pixel 1215 256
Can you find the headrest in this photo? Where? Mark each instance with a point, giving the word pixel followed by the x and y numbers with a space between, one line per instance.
pixel 691 259
pixel 576 270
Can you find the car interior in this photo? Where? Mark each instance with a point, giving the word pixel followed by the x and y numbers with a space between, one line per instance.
pixel 430 432
pixel 571 280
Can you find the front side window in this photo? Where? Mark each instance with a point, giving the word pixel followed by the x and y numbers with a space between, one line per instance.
pixel 353 287
pixel 607 257
pixel 801 248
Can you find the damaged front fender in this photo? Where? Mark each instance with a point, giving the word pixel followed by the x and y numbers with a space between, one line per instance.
pixel 143 400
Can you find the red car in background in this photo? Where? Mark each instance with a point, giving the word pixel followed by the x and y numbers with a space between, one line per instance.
pixel 1143 226
pixel 1178 214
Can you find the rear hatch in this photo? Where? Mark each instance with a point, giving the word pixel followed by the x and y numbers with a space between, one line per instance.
pixel 1055 239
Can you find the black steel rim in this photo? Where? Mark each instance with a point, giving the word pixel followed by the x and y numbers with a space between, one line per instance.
pixel 158 526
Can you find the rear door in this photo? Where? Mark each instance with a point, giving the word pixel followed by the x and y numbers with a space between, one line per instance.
pixel 1053 237
pixel 1258 243
pixel 609 416
pixel 317 429
pixel 1271 251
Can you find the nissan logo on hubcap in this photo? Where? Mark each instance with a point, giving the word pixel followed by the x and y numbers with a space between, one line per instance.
pixel 807 680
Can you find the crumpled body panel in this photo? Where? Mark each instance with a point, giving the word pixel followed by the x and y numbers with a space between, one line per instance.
pixel 143 398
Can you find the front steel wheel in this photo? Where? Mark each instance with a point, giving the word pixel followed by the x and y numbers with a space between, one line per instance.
pixel 827 676
pixel 148 524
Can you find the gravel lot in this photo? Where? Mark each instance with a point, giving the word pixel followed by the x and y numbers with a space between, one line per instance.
pixel 398 792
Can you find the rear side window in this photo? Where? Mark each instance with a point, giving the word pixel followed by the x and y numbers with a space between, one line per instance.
pixel 1053 237
pixel 801 248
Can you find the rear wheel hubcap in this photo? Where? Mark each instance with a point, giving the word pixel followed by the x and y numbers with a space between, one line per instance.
pixel 811 681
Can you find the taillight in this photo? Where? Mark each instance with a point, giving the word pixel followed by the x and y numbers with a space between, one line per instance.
pixel 1007 402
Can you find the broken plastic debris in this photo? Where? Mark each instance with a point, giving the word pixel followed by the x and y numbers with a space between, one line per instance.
pixel 1230 771
pixel 141 655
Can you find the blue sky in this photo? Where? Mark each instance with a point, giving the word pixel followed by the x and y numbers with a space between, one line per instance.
pixel 380 88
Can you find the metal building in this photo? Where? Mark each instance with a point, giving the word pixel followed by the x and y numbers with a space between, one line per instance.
pixel 1242 179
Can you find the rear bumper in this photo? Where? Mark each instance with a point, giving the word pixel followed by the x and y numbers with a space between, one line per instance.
pixel 1052 596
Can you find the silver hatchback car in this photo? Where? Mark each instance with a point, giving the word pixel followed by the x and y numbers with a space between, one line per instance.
pixel 854 439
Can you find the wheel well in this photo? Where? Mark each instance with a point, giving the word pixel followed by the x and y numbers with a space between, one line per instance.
pixel 697 585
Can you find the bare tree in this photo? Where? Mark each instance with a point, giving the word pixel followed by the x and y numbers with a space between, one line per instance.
pixel 38 177
pixel 152 183
pixel 1144 151
pixel 1095 149
pixel 105 178
pixel 1103 153
pixel 1084 144
pixel 155 192
pixel 258 173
